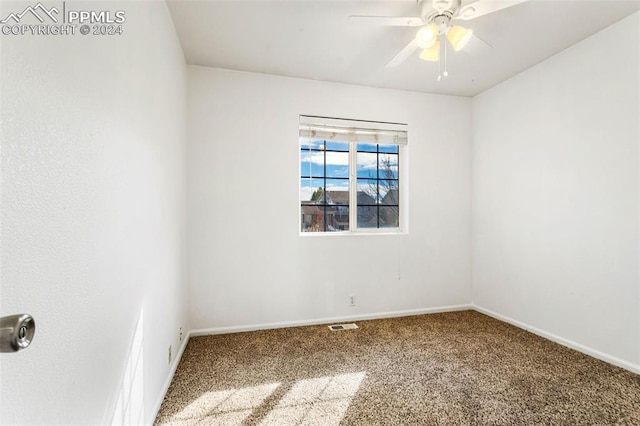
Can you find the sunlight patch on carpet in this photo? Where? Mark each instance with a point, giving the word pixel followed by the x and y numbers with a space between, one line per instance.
pixel 322 400
pixel 227 407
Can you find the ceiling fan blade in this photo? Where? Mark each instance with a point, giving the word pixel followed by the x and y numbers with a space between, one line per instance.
pixel 388 21
pixel 403 54
pixel 484 7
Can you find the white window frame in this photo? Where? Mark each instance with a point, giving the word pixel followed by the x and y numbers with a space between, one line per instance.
pixel 356 132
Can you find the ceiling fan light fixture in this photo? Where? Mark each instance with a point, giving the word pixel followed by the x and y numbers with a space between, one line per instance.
pixel 459 36
pixel 432 53
pixel 427 36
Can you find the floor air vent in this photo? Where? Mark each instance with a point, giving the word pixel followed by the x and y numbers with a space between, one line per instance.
pixel 337 327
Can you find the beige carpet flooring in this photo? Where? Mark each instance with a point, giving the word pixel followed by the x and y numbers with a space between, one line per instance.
pixel 459 368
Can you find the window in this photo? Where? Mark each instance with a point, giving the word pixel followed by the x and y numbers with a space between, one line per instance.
pixel 350 177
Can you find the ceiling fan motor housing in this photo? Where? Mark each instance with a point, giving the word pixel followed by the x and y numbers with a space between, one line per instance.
pixel 431 8
pixel 443 22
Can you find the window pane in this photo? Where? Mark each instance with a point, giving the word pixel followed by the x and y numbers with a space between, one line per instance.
pixel 338 164
pixel 367 216
pixel 367 191
pixel 388 190
pixel 367 166
pixel 338 191
pixel 311 164
pixel 324 218
pixel 389 148
pixel 337 218
pixel 338 146
pixel 388 217
pixel 312 218
pixel 311 190
pixel 388 166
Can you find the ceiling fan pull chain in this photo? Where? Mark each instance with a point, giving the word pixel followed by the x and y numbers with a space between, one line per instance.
pixel 440 64
pixel 446 73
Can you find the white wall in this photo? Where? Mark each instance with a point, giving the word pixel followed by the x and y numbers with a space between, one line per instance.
pixel 249 266
pixel 93 216
pixel 556 192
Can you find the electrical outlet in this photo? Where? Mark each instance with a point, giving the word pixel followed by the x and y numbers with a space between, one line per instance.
pixel 352 300
pixel 170 348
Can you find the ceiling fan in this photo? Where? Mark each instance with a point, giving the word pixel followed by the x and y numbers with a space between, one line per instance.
pixel 436 22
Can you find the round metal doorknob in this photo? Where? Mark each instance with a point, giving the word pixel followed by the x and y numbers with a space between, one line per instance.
pixel 16 332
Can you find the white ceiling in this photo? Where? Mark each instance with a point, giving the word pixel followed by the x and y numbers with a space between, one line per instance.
pixel 315 40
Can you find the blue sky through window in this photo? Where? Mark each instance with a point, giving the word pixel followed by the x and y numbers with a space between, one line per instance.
pixel 320 159
pixel 330 159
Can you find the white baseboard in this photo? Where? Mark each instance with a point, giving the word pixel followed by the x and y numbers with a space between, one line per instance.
pixel 561 340
pixel 318 321
pixel 167 382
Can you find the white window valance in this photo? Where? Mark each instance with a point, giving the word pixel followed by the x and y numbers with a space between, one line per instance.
pixel 354 131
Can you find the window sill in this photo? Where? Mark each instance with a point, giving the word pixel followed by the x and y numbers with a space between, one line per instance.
pixel 359 234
